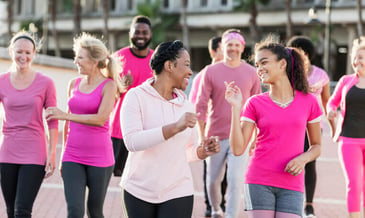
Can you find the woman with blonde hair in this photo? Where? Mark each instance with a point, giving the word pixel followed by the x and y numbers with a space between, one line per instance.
pixel 87 156
pixel 349 95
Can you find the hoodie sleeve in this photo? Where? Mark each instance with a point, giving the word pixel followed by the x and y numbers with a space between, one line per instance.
pixel 135 137
pixel 192 146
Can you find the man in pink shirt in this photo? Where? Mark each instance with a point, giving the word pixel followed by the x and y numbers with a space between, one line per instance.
pixel 136 69
pixel 212 89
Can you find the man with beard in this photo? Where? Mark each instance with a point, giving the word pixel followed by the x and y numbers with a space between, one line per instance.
pixel 136 69
pixel 211 89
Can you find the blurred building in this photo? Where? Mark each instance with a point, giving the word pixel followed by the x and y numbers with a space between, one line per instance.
pixel 204 19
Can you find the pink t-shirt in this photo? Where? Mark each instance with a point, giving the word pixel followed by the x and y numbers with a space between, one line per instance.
pixel 212 88
pixel 195 88
pixel 140 69
pixel 24 138
pixel 317 79
pixel 280 138
pixel 89 145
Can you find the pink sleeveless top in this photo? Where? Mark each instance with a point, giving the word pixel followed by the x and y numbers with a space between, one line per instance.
pixel 89 145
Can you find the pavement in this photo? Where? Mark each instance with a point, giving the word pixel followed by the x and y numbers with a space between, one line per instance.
pixel 329 200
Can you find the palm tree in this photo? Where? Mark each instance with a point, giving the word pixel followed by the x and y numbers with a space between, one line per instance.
pixel 185 28
pixel 77 17
pixel 289 23
pixel 52 8
pixel 251 7
pixel 359 23
pixel 105 19
pixel 9 8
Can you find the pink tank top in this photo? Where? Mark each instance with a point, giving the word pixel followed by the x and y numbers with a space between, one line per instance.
pixel 89 145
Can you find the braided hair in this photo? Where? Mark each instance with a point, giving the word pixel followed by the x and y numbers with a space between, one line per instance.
pixel 166 51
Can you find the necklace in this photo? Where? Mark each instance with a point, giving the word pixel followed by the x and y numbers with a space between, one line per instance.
pixel 283 105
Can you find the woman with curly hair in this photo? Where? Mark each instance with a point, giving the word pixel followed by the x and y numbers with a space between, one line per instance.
pixel 159 128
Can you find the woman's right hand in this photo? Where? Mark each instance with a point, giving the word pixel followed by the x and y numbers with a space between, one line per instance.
pixel 233 94
pixel 331 114
pixel 188 119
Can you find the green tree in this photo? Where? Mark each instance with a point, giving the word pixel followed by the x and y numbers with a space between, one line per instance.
pixel 161 23
pixel 289 23
pixel 77 16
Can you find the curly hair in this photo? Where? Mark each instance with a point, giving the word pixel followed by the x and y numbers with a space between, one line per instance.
pixel 295 69
pixel 304 43
pixel 166 51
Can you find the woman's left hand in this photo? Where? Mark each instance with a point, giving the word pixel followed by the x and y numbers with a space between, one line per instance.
pixel 211 145
pixel 50 166
pixel 295 166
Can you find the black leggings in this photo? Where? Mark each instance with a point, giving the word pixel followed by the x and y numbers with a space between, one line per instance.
pixel 310 176
pixel 120 155
pixel 177 208
pixel 76 177
pixel 20 184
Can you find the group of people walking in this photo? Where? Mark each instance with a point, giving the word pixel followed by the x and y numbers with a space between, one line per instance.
pixel 128 115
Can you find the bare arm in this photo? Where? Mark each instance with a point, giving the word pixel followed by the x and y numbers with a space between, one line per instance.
pixel 240 135
pixel 51 156
pixel 296 165
pixel 325 95
pixel 97 119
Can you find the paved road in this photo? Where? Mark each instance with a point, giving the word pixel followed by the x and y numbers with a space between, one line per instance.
pixel 329 199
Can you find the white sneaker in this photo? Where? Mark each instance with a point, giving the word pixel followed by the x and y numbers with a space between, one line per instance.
pixel 217 214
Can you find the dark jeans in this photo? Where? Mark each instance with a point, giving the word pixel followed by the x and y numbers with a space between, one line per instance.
pixel 76 177
pixel 20 184
pixel 176 208
pixel 310 176
pixel 120 156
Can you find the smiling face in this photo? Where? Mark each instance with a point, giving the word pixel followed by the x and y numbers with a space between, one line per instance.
pixel 84 64
pixel 140 36
pixel 358 61
pixel 269 69
pixel 180 70
pixel 22 53
pixel 233 50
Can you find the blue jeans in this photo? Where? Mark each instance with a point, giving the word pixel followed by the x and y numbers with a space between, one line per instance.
pixel 236 170
pixel 20 184
pixel 76 177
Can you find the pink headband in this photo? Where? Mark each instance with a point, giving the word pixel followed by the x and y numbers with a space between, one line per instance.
pixel 233 35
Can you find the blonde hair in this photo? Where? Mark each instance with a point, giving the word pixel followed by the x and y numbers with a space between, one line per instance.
pixel 357 44
pixel 23 34
pixel 97 51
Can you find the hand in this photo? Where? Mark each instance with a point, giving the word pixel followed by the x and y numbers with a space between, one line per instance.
pixel 55 113
pixel 295 166
pixel 211 145
pixel 127 80
pixel 188 119
pixel 233 94
pixel 331 115
pixel 50 166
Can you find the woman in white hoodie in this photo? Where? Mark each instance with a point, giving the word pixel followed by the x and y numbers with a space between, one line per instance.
pixel 159 128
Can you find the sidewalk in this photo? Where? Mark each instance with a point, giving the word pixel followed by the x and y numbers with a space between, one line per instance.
pixel 329 199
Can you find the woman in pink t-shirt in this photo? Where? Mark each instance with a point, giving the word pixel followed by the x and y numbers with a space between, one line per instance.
pixel 87 156
pixel 274 182
pixel 24 158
